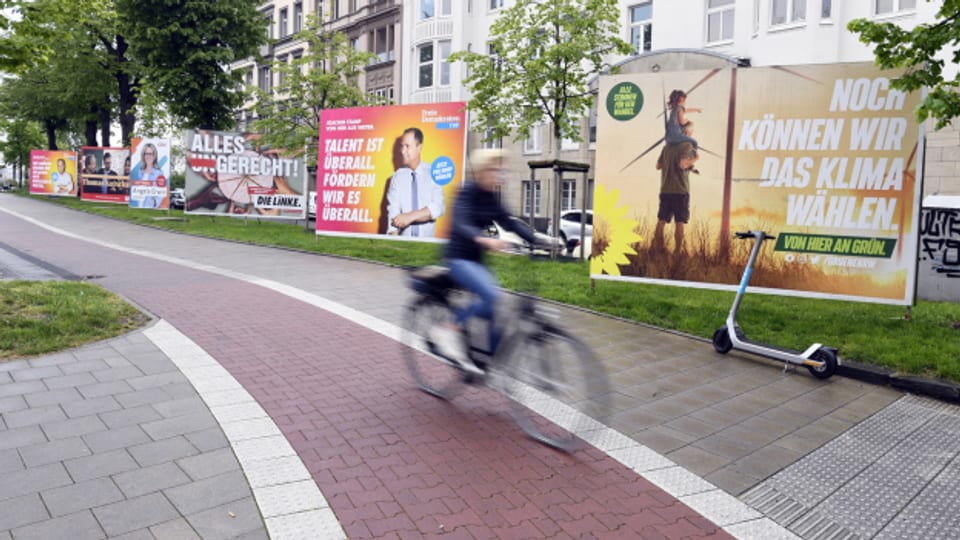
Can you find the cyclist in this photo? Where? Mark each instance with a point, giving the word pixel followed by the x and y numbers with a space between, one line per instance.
pixel 475 208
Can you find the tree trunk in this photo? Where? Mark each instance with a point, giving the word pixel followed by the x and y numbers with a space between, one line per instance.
pixel 90 132
pixel 126 92
pixel 51 129
pixel 105 126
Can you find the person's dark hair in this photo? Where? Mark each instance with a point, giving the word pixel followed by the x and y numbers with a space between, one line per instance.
pixel 88 157
pixel 60 160
pixel 106 155
pixel 675 97
pixel 417 134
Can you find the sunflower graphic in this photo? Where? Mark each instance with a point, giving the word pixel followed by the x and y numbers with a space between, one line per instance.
pixel 613 233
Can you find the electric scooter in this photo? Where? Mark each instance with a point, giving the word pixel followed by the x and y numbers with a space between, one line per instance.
pixel 821 361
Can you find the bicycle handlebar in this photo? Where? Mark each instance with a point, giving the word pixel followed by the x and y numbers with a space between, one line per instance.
pixel 753 234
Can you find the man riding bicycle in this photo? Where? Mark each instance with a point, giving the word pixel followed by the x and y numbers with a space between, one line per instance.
pixel 475 208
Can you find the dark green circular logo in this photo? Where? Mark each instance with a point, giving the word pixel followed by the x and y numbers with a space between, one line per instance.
pixel 624 101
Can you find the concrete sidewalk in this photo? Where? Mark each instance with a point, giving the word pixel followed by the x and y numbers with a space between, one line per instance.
pixel 341 402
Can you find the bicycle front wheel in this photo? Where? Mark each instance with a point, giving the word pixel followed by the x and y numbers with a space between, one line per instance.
pixel 558 388
pixel 432 372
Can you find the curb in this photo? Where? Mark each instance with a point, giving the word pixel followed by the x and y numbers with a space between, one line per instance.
pixel 927 386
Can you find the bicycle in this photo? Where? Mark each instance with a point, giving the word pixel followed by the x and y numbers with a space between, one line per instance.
pixel 536 360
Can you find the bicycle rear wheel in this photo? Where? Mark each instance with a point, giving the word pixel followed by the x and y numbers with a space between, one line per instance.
pixel 558 388
pixel 432 372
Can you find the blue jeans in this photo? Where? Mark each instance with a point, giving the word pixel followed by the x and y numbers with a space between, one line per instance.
pixel 476 278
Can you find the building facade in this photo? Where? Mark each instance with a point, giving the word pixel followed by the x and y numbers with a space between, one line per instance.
pixel 414 38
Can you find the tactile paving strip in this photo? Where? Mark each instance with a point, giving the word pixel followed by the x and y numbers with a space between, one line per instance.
pixel 895 475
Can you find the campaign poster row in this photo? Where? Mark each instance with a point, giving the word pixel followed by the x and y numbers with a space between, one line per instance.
pixel 230 173
pixel 824 157
pixel 138 176
pixel 390 171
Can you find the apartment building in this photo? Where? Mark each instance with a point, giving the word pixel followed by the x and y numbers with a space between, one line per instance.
pixel 413 39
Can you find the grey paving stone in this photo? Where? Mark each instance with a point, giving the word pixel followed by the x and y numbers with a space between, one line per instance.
pixel 52 397
pixel 53 451
pixel 208 439
pixel 209 492
pixel 82 496
pixel 21 511
pixel 69 381
pixel 150 396
pixel 160 451
pixel 117 362
pixel 97 351
pixel 217 523
pixel 63 358
pixel 32 480
pixel 17 437
pixel 127 417
pixel 10 460
pixel 79 526
pixel 14 364
pixel 210 464
pixel 73 427
pixel 177 529
pixel 160 380
pixel 12 403
pixel 259 534
pixel 132 514
pixel 180 425
pixel 5 535
pixel 150 479
pixel 99 465
pixel 21 388
pixel 34 416
pixel 116 438
pixel 139 534
pixel 90 406
pixel 182 390
pixel 118 374
pixel 180 407
pixel 105 389
pixel 83 366
pixel 5 377
pixel 153 363
pixel 35 373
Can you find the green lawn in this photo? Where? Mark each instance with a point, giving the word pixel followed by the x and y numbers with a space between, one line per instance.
pixel 926 343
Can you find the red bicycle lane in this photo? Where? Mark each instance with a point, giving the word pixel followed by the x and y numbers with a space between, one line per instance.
pixel 392 462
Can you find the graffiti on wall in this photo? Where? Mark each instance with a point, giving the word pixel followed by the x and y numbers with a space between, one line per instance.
pixel 940 238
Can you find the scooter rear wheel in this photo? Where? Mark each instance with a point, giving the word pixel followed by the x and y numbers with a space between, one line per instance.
pixel 829 359
pixel 721 340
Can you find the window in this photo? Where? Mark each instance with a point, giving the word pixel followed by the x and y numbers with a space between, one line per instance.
pixel 355 43
pixel 891 6
pixel 489 141
pixel 568 195
pixel 719 20
pixel 427 10
pixel 531 145
pixel 383 43
pixel 425 67
pixel 641 28
pixel 531 196
pixel 249 78
pixel 433 69
pixel 297 17
pixel 268 15
pixel 266 79
pixel 570 144
pixel 280 72
pixel 787 11
pixel 496 4
pixel 825 9
pixel 592 136
pixel 383 96
pixel 283 23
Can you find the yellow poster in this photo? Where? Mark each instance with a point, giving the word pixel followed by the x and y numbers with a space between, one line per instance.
pixel 826 158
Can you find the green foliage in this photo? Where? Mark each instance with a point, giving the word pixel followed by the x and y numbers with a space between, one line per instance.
pixel 324 77
pixel 923 52
pixel 545 52
pixel 21 137
pixel 185 47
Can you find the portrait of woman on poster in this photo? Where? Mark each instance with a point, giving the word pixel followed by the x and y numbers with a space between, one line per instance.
pixel 148 169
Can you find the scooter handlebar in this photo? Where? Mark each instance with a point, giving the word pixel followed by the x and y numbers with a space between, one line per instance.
pixel 753 234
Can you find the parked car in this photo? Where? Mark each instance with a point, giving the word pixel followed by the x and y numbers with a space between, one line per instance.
pixel 312 205
pixel 497 231
pixel 574 248
pixel 570 225
pixel 178 198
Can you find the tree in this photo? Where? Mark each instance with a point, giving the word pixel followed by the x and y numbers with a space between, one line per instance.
pixel 22 136
pixel 923 52
pixel 186 46
pixel 324 77
pixel 543 54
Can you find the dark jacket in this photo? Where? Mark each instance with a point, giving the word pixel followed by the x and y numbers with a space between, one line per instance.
pixel 473 211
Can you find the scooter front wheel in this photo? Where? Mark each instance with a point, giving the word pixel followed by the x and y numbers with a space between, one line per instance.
pixel 721 340
pixel 829 359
